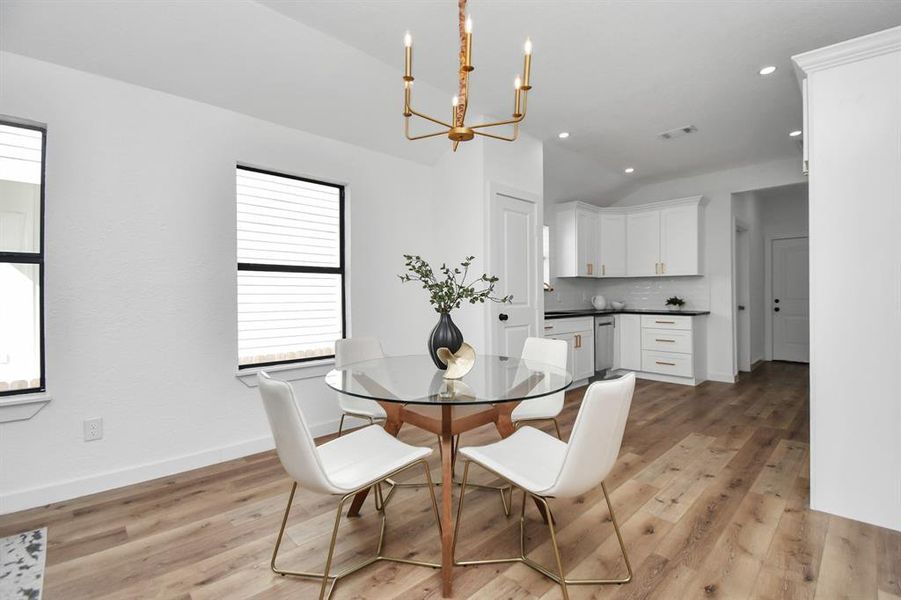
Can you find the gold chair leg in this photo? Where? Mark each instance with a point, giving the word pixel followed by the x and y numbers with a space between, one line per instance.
pixel 552 529
pixel 331 552
pixel 558 577
pixel 557 427
pixel 619 536
pixel 341 425
pixel 325 591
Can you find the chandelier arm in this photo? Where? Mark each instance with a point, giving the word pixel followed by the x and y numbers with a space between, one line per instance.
pixel 428 118
pixel 427 135
pixel 515 121
pixel 500 137
pixel 420 137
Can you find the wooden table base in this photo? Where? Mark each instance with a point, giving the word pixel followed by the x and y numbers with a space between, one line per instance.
pixel 446 421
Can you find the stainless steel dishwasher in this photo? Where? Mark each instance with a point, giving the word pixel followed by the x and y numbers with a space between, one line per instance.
pixel 603 344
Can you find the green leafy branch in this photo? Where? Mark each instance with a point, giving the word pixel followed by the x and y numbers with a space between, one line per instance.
pixel 448 289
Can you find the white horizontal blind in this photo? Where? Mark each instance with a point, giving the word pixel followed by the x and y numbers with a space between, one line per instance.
pixel 290 268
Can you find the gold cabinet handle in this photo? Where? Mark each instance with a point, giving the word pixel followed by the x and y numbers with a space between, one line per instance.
pixel 666 322
pixel 603 269
pixel 578 341
pixel 663 268
pixel 590 268
pixel 662 340
pixel 546 327
pixel 657 268
pixel 669 364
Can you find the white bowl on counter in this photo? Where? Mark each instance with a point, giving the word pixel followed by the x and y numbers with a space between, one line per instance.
pixel 617 305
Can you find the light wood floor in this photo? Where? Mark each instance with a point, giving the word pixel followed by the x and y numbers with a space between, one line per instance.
pixel 711 489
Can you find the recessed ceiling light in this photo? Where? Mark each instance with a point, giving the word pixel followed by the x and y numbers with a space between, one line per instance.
pixel 795 133
pixel 769 70
pixel 629 170
pixel 563 135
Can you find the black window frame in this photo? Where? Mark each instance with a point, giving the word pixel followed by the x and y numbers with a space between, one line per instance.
pixel 33 258
pixel 275 268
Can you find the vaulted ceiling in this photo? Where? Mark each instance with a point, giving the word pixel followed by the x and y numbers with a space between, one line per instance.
pixel 613 74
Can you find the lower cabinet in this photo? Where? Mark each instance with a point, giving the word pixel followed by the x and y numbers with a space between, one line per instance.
pixel 662 347
pixel 578 333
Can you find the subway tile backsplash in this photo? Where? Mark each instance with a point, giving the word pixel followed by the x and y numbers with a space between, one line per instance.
pixel 638 292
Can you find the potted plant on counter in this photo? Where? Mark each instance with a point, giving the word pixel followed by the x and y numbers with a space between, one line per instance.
pixel 675 302
pixel 448 289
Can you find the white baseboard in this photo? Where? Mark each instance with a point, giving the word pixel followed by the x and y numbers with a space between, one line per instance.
pixel 721 377
pixel 73 488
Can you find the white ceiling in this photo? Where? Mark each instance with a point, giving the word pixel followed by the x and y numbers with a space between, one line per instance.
pixel 614 74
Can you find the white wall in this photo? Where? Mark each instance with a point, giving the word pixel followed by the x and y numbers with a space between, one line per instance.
pixel 140 282
pixel 854 92
pixel 718 188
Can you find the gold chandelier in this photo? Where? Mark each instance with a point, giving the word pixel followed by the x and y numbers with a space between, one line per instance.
pixel 457 130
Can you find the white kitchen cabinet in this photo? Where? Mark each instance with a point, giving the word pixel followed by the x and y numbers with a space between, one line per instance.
pixel 643 243
pixel 587 236
pixel 583 355
pixel 679 240
pixel 651 240
pixel 628 341
pixel 665 240
pixel 578 333
pixel 662 347
pixel 576 240
pixel 612 244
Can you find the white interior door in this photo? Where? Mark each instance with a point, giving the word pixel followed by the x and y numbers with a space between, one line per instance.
pixel 514 235
pixel 791 300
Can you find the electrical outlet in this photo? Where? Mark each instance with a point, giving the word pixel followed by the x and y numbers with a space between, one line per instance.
pixel 93 429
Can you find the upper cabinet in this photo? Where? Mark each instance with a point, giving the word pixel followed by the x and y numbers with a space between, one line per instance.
pixel 643 243
pixel 654 240
pixel 612 244
pixel 680 234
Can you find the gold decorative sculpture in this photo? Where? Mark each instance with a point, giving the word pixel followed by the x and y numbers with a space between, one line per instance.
pixel 458 363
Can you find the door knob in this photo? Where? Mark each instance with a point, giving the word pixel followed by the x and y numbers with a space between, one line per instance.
pixel 503 317
pixel 776 309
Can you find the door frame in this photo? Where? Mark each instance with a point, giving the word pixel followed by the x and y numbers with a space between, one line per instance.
pixel 741 271
pixel 768 286
pixel 492 189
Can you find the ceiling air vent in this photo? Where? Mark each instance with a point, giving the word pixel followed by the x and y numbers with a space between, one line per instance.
pixel 677 132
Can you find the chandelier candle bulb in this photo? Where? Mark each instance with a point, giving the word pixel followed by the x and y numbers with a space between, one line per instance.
pixel 467 62
pixel 408 57
pixel 527 66
pixel 517 104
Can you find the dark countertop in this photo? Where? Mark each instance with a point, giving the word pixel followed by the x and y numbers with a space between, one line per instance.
pixel 591 312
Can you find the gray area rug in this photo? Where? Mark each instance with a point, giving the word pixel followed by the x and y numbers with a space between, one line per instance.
pixel 22 565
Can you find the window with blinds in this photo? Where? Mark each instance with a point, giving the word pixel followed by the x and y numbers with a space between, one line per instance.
pixel 22 151
pixel 290 268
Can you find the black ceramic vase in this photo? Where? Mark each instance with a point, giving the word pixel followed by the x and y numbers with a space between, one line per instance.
pixel 444 335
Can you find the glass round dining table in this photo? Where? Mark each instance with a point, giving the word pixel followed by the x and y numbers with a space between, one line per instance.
pixel 413 391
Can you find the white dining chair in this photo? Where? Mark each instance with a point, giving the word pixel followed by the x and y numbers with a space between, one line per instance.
pixel 547 408
pixel 544 467
pixel 358 461
pixel 351 350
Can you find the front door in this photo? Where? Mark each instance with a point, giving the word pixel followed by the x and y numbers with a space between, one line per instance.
pixel 514 236
pixel 791 300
